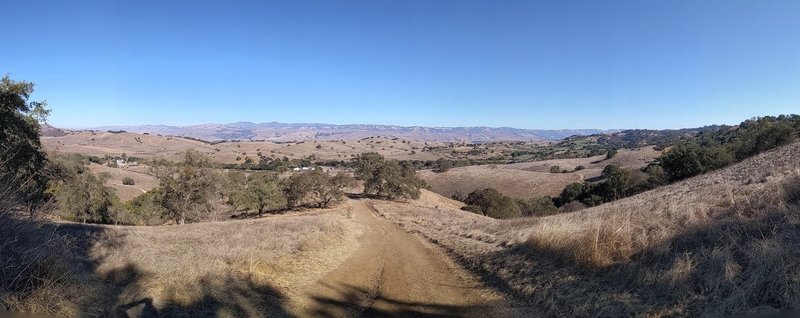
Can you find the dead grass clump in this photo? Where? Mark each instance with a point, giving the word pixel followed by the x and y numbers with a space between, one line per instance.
pixel 34 277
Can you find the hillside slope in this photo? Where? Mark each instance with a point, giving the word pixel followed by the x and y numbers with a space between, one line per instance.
pixel 241 268
pixel 532 179
pixel 721 243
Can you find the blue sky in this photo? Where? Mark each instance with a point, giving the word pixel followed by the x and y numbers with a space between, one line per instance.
pixel 527 64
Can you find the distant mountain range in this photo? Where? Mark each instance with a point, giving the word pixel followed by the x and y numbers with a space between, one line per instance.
pixel 275 131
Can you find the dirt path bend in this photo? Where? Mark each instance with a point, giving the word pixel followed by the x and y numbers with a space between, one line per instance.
pixel 394 274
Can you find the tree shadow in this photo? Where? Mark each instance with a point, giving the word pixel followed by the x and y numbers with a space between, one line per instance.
pixel 122 291
pixel 243 215
pixel 352 301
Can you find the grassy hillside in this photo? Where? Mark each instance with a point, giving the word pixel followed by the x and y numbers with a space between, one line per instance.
pixel 250 268
pixel 143 181
pixel 532 179
pixel 721 243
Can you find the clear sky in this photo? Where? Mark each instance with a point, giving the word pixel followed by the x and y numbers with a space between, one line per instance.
pixel 527 64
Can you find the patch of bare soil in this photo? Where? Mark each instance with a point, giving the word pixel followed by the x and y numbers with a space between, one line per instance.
pixel 396 274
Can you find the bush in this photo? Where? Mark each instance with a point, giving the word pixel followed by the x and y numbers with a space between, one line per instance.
pixel 555 169
pixel 128 181
pixel 442 165
pixel 490 202
pixel 540 206
pixel 611 153
pixel 84 197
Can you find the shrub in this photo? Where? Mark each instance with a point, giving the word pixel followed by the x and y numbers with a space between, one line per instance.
pixel 611 153
pixel 490 202
pixel 540 206
pixel 442 165
pixel 555 169
pixel 84 197
pixel 128 181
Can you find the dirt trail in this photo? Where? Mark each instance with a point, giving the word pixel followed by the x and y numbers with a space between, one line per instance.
pixel 394 273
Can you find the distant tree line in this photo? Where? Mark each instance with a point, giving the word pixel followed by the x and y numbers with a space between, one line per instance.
pixel 710 148
pixel 195 189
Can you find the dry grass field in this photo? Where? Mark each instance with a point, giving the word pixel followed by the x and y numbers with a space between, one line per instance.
pixel 150 146
pixel 100 143
pixel 717 244
pixel 532 179
pixel 143 182
pixel 252 268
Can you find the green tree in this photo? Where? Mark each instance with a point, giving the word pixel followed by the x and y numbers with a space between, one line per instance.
pixel 621 183
pixel 367 167
pixel 442 165
pixel 188 187
pixel 22 161
pixel 148 207
pixel 390 179
pixel 334 188
pixel 85 197
pixel 262 193
pixel 611 153
pixel 682 162
pixel 234 188
pixel 490 202
pixel 315 188
pixel 571 192
pixel 540 206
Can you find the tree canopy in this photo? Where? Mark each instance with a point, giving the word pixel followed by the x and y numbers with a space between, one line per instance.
pixel 21 158
pixel 387 178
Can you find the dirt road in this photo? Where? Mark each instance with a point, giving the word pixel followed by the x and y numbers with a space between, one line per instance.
pixel 394 273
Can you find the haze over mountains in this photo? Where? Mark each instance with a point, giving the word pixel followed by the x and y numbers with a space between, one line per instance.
pixel 275 131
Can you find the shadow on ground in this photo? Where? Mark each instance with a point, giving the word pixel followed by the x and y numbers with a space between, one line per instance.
pixel 120 293
pixel 734 265
pixel 352 301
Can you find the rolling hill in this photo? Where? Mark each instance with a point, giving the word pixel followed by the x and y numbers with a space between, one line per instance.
pixel 718 244
pixel 532 179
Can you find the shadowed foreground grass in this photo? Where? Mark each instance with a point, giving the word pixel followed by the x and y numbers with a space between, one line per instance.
pixel 242 268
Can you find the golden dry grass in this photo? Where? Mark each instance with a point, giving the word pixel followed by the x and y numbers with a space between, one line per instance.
pixel 143 181
pixel 236 268
pixel 717 244
pixel 511 182
pixel 151 146
pixel 532 179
